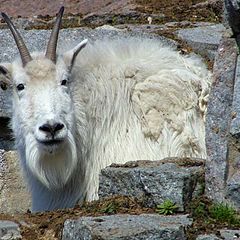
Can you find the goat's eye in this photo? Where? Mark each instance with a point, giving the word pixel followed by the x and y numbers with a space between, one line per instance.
pixel 64 82
pixel 20 87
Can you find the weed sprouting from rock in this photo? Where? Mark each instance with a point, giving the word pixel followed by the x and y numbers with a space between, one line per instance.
pixel 223 212
pixel 167 207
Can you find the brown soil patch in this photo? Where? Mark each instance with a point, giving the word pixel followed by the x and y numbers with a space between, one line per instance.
pixel 182 10
pixel 48 225
pixel 181 162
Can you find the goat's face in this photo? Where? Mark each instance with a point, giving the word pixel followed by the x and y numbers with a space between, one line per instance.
pixel 43 112
pixel 42 102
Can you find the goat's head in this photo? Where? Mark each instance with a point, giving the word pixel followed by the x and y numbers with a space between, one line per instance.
pixel 43 112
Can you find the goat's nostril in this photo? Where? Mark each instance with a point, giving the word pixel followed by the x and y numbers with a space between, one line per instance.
pixel 51 128
pixel 46 128
pixel 58 126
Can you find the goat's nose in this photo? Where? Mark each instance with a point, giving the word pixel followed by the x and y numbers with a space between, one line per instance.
pixel 51 128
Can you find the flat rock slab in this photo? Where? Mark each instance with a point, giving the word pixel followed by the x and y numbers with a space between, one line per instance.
pixel 9 231
pixel 141 227
pixel 204 40
pixel 153 182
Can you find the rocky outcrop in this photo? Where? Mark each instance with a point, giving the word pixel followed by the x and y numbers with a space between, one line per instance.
pixel 222 127
pixel 154 181
pixel 134 227
pixel 203 39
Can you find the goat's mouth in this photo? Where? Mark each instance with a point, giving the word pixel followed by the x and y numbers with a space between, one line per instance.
pixel 51 142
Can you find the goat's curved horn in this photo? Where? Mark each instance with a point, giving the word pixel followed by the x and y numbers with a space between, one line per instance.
pixel 52 44
pixel 25 55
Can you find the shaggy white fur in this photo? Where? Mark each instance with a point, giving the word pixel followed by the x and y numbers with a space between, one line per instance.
pixel 141 100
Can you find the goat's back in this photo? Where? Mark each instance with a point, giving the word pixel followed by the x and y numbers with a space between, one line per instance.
pixel 140 100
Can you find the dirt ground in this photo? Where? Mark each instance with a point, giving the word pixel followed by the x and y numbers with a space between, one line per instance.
pixel 183 10
pixel 48 225
pixel 172 10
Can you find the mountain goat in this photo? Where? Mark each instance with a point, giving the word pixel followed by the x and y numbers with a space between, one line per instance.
pixel 111 101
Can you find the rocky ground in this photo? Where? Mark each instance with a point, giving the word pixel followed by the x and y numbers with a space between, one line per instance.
pixel 194 10
pixel 79 13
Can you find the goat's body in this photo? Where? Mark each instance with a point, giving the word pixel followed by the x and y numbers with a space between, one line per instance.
pixel 137 100
pixel 130 99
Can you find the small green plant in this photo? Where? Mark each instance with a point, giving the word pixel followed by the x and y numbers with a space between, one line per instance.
pixel 224 213
pixel 167 207
pixel 110 208
pixel 200 211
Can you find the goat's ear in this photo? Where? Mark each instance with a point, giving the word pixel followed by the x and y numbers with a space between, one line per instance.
pixel 70 56
pixel 5 75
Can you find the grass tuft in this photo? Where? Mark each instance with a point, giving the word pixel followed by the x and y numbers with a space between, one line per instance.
pixel 167 207
pixel 224 213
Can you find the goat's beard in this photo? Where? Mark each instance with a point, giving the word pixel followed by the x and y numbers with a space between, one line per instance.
pixel 53 169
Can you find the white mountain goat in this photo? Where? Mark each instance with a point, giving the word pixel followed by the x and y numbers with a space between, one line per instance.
pixel 115 101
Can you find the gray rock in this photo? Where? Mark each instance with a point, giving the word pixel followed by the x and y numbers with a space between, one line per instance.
pixel 233 189
pixel 232 14
pixel 5 103
pixel 204 40
pixel 235 123
pixel 225 234
pixel 6 137
pixel 218 119
pixel 230 234
pixel 152 182
pixel 207 237
pixel 9 231
pixel 14 195
pixel 233 178
pixel 145 226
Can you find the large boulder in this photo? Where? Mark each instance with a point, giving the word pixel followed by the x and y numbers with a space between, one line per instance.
pixel 154 182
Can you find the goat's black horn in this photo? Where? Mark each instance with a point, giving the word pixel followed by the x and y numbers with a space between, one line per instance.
pixel 25 55
pixel 52 44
